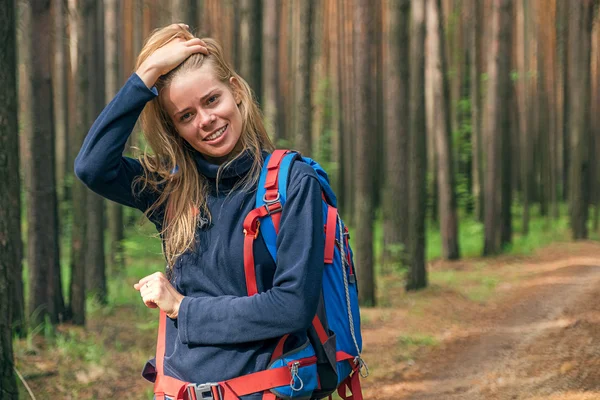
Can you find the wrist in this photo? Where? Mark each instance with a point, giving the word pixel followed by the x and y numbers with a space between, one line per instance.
pixel 175 312
pixel 148 74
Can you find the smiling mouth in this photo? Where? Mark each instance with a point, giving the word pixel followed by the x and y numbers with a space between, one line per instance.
pixel 216 135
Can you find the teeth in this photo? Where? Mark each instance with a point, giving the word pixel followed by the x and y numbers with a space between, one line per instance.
pixel 217 134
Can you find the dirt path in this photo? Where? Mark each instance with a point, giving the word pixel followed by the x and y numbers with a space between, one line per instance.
pixel 539 339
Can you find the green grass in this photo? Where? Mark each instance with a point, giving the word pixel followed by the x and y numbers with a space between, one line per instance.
pixel 408 345
pixel 542 231
pixel 478 285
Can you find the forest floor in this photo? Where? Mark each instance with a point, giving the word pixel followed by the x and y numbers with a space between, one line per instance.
pixel 536 335
pixel 512 327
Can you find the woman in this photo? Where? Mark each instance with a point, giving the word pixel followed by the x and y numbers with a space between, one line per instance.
pixel 209 144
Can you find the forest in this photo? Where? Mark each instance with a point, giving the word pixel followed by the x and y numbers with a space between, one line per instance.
pixel 460 136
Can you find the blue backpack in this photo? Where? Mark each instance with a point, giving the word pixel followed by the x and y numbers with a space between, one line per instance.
pixel 335 337
pixel 331 358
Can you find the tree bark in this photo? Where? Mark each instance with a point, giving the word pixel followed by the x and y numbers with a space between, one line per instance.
pixel 45 293
pixel 302 125
pixel 270 67
pixel 250 44
pixel 111 70
pixel 417 273
pixel 364 206
pixel 180 12
pixel 565 54
pixel 94 257
pixel 395 198
pixel 580 22
pixel 442 130
pixel 60 88
pixel 524 105
pixel 497 110
pixel 476 142
pixel 10 198
pixel 81 12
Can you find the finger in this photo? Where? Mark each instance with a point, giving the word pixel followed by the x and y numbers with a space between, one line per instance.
pixel 150 303
pixel 197 49
pixel 149 296
pixel 180 25
pixel 196 45
pixel 195 41
pixel 151 277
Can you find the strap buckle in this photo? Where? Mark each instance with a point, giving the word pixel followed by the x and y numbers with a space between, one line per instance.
pixel 272 202
pixel 205 391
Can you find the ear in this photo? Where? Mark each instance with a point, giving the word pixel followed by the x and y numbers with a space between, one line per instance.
pixel 236 88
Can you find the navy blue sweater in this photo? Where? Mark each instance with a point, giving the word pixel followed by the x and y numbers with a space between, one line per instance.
pixel 220 332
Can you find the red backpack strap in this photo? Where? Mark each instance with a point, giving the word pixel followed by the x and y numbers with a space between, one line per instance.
pixel 165 385
pixel 272 185
pixel 251 224
pixel 330 229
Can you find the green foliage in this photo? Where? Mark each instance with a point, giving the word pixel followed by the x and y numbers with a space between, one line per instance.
pixel 462 145
pixel 72 346
pixel 409 344
pixel 478 286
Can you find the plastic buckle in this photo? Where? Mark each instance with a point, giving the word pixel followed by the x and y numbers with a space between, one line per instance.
pixel 269 203
pixel 204 391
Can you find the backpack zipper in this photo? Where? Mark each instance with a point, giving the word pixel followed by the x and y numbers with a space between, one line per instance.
pixel 295 366
pixel 303 362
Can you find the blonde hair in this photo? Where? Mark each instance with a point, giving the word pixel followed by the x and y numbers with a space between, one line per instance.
pixel 171 170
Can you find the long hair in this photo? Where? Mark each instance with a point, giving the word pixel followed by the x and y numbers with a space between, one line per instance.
pixel 171 170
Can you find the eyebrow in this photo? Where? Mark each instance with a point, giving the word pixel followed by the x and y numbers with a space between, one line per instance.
pixel 202 99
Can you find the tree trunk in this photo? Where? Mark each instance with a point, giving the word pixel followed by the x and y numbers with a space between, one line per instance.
pixel 10 198
pixel 180 12
pixel 22 82
pixel 60 88
pixel 497 113
pixel 395 198
pixel 376 104
pixel 507 176
pixel 348 130
pixel 417 273
pixel 94 258
pixel 364 207
pixel 302 125
pixel 476 142
pixel 441 130
pixel 250 44
pixel 580 14
pixel 115 211
pixel 563 45
pixel 45 293
pixel 524 105
pixel 81 12
pixel 270 67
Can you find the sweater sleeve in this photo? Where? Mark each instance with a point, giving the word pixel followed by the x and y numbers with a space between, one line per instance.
pixel 100 164
pixel 290 305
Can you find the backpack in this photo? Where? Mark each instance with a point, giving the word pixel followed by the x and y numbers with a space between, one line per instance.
pixel 331 359
pixel 335 334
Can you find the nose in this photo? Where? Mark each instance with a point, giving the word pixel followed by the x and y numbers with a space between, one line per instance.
pixel 205 119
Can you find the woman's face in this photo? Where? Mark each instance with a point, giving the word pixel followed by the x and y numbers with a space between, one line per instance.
pixel 205 112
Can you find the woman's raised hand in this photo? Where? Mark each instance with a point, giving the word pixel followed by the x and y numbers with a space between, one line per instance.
pixel 157 291
pixel 168 57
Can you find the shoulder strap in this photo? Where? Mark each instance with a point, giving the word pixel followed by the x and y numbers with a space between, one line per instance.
pixel 272 186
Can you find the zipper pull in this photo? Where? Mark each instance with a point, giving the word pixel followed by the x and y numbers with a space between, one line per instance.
pixel 294 371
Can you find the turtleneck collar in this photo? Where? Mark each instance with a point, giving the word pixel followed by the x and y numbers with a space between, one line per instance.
pixel 234 171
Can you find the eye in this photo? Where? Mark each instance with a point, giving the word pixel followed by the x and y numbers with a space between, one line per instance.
pixel 212 99
pixel 184 117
